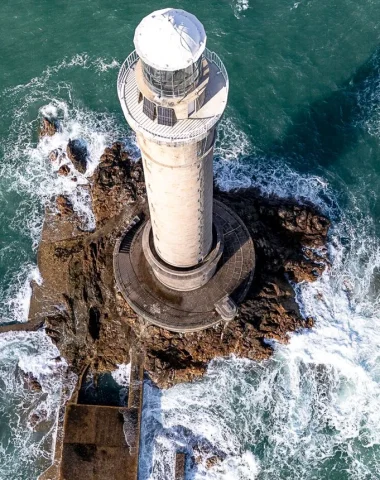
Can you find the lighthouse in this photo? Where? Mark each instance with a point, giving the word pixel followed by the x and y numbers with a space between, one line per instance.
pixel 173 92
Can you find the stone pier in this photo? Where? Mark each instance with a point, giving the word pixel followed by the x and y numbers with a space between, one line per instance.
pixel 99 442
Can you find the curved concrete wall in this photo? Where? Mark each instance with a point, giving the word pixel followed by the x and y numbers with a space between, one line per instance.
pixel 179 181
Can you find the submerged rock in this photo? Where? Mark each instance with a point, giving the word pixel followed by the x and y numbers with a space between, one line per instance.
pixel 31 382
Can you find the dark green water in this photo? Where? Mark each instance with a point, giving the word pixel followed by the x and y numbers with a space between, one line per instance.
pixel 303 121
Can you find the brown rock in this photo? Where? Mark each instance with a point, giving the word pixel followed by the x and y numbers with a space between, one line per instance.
pixel 31 382
pixel 48 127
pixel 64 170
pixel 117 181
pixel 64 206
pixel 96 326
pixel 212 461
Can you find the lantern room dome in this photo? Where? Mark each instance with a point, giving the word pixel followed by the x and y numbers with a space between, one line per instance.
pixel 170 39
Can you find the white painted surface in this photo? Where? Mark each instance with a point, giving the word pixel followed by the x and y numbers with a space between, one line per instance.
pixel 179 183
pixel 170 39
pixel 178 160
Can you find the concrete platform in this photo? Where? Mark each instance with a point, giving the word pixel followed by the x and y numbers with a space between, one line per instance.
pixel 94 445
pixel 100 442
pixel 185 311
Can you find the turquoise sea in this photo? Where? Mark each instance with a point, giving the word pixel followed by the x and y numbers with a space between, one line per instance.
pixel 303 121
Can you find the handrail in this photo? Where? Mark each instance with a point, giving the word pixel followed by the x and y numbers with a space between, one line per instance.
pixel 127 66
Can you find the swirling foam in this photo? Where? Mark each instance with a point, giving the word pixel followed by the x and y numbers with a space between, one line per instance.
pixel 313 407
pixel 27 175
pixel 21 448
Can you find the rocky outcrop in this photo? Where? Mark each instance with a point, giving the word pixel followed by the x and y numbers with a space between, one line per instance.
pixel 64 206
pixel 117 182
pixel 78 154
pixel 31 382
pixel 48 127
pixel 64 170
pixel 92 324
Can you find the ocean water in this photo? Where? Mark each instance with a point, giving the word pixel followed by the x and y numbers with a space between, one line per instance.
pixel 303 121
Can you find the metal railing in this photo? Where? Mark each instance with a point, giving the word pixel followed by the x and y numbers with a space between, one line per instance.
pixel 132 59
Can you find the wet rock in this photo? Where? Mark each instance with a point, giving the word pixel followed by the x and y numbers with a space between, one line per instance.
pixel 205 452
pixel 31 382
pixel 38 421
pixel 34 419
pixel 78 154
pixel 212 461
pixel 96 327
pixel 48 127
pixel 64 206
pixel 64 170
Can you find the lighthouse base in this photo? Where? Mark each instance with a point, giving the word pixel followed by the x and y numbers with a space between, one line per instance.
pixel 190 310
pixel 184 279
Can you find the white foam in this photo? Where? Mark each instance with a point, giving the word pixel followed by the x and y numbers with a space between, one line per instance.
pixel 17 301
pixel 22 450
pixel 283 418
pixel 28 176
pixel 289 416
pixel 239 6
pixel 122 374
pixel 368 98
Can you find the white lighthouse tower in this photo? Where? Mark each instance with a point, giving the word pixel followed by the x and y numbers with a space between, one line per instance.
pixel 173 92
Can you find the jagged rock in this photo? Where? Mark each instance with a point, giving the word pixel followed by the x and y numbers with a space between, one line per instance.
pixel 31 382
pixel 96 326
pixel 212 461
pixel 34 420
pixel 64 170
pixel 117 179
pixel 64 206
pixel 38 421
pixel 205 449
pixel 48 127
pixel 78 154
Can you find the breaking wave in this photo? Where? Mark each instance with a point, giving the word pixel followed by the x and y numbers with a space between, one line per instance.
pixel 30 179
pixel 28 416
pixel 239 6
pixel 311 411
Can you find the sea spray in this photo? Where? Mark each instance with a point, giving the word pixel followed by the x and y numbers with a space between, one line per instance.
pixel 308 412
pixel 311 411
pixel 30 179
pixel 28 417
